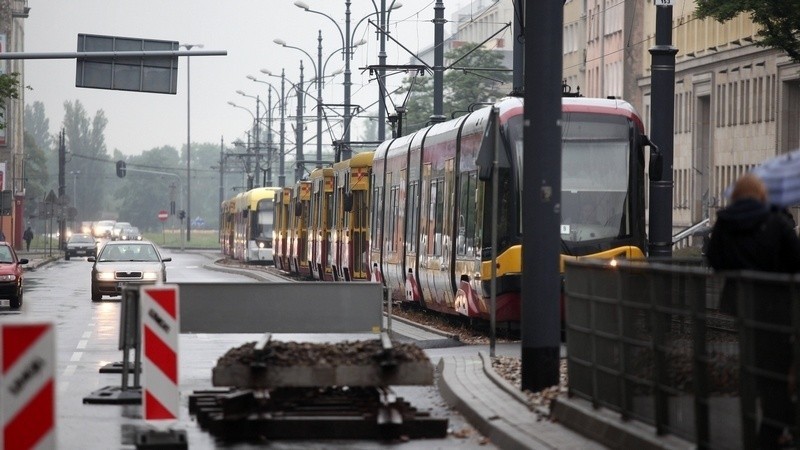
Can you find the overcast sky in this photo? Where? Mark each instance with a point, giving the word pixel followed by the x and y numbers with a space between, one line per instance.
pixel 244 28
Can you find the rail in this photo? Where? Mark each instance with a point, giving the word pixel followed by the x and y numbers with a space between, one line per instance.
pixel 651 342
pixel 697 229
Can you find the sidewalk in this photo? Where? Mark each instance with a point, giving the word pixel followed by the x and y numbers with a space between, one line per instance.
pixel 39 257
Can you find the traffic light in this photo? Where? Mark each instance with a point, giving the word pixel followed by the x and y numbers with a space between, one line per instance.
pixel 121 169
pixel 181 214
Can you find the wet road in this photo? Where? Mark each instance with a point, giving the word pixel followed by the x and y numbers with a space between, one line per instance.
pixel 87 339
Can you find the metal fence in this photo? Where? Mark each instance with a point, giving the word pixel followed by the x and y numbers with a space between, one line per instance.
pixel 663 344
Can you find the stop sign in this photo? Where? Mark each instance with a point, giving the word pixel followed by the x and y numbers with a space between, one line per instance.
pixel 162 215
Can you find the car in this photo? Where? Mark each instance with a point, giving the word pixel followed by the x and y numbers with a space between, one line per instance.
pixel 120 263
pixel 11 279
pixel 102 228
pixel 80 245
pixel 117 229
pixel 130 234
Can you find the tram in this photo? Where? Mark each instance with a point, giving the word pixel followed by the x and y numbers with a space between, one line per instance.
pixel 247 223
pixel 415 214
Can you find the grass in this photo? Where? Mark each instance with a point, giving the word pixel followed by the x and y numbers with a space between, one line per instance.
pixel 172 238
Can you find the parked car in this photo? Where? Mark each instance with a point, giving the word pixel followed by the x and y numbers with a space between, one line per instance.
pixel 116 230
pixel 130 234
pixel 11 279
pixel 80 245
pixel 123 262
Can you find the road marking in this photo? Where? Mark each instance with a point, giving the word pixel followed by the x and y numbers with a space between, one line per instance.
pixel 82 344
pixel 70 370
pixel 76 357
pixel 62 386
pixel 192 267
pixel 87 335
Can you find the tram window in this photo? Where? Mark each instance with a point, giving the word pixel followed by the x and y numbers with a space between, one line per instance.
pixel 377 216
pixel 328 210
pixel 466 221
pixel 412 217
pixel 437 215
pixel 392 219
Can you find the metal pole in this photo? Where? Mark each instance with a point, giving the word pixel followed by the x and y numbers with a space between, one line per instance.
pixel 519 48
pixel 382 75
pixel 541 175
pixel 319 98
pixel 346 153
pixel 268 180
pixel 299 157
pixel 662 108
pixel 258 140
pixel 188 147
pixel 221 183
pixel 438 63
pixel 282 156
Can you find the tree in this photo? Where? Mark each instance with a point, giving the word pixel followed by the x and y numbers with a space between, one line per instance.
pixel 141 194
pixel 36 175
pixel 779 20
pixel 87 153
pixel 9 89
pixel 471 81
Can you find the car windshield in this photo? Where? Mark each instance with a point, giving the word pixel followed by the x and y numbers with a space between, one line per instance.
pixel 132 252
pixel 81 239
pixel 5 255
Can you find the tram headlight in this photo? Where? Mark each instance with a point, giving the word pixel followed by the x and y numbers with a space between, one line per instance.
pixel 613 262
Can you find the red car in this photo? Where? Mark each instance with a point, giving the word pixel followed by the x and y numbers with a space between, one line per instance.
pixel 11 275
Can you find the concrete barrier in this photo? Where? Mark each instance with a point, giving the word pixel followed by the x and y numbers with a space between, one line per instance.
pixel 311 307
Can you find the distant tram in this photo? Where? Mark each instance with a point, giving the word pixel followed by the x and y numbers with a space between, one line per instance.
pixel 247 225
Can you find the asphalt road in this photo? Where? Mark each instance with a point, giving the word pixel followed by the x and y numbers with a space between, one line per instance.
pixel 87 339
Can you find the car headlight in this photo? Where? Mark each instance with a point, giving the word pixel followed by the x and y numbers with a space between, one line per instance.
pixel 260 245
pixel 8 277
pixel 150 276
pixel 105 276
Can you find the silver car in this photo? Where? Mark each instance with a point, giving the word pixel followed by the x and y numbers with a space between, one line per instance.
pixel 123 262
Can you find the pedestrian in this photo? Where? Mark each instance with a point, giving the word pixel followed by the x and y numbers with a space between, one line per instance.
pixel 2 236
pixel 751 235
pixel 28 237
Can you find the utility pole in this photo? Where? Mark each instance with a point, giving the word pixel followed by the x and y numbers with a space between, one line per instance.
pixel 541 327
pixel 519 50
pixel 438 63
pixel 299 157
pixel 62 185
pixel 661 133
pixel 282 155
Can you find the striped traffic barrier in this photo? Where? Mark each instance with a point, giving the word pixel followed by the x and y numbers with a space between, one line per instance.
pixel 27 386
pixel 159 336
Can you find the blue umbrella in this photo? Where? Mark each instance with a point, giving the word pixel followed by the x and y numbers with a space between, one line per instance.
pixel 781 175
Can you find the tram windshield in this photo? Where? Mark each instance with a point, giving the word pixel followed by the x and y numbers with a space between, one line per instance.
pixel 594 177
pixel 264 225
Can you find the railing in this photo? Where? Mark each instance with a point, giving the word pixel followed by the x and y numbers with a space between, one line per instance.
pixel 648 340
pixel 681 239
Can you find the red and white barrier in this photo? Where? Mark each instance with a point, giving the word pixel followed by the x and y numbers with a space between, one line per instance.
pixel 27 386
pixel 160 327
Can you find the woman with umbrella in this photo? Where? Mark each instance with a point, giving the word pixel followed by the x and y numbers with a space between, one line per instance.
pixel 751 235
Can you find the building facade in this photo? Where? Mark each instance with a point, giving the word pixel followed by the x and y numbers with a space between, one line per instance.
pixel 735 105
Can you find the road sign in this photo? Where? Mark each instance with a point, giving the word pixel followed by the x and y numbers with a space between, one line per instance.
pixel 27 385
pixel 159 330
pixel 162 215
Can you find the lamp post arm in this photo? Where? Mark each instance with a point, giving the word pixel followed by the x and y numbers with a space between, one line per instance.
pixel 341 33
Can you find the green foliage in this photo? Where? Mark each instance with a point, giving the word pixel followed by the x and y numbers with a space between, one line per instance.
pixel 9 89
pixel 465 85
pixel 779 20
pixel 37 179
pixel 86 153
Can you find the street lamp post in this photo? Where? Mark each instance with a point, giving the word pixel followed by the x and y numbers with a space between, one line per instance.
pixel 189 142
pixel 347 52
pixel 318 78
pixel 270 88
pixel 257 129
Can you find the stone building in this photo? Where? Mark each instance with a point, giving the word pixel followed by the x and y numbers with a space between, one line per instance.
pixel 736 104
pixel 12 38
